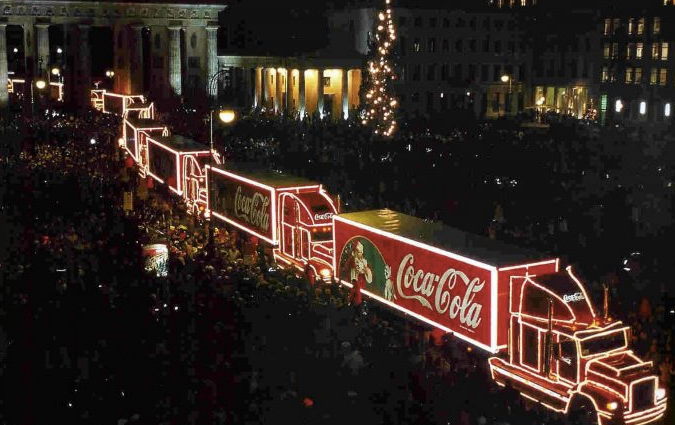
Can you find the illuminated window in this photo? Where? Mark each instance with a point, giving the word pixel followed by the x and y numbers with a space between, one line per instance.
pixel 608 26
pixel 615 50
pixel 653 79
pixel 655 51
pixel 643 107
pixel 641 26
pixel 631 26
pixel 666 109
pixel 605 74
pixel 638 51
pixel 656 28
pixel 416 45
pixel 523 2
pixel 605 50
pixel 663 75
pixel 629 75
pixel 431 45
pixel 638 75
pixel 630 48
pixel 618 105
pixel 664 51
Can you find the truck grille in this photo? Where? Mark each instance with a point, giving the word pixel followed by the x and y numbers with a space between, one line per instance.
pixel 643 395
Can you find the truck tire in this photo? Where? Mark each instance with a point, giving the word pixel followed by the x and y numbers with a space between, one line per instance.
pixel 582 411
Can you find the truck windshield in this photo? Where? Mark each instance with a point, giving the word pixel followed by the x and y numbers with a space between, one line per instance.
pixel 604 343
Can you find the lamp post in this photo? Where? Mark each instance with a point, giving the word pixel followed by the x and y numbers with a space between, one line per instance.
pixel 507 79
pixel 226 116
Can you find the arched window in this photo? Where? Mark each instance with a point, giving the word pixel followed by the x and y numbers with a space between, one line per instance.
pixel 158 42
pixel 193 40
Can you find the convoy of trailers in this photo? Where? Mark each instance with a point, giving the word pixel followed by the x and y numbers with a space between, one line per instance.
pixel 535 319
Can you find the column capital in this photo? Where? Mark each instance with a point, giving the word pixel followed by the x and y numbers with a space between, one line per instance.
pixel 211 28
pixel 84 26
pixel 42 25
pixel 174 28
pixel 3 25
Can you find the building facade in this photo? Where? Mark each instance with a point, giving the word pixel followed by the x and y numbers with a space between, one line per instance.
pixel 161 48
pixel 294 86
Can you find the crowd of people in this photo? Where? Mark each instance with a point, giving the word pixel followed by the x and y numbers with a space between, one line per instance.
pixel 231 338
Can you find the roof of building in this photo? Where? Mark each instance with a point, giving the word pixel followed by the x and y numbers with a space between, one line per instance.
pixel 266 176
pixel 438 235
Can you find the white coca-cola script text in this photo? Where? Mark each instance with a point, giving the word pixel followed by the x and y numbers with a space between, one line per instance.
pixel 441 291
pixel 252 209
pixel 324 216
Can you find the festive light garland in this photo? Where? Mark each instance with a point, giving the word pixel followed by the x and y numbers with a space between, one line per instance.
pixel 380 105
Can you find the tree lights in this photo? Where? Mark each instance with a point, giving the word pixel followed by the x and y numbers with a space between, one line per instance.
pixel 380 105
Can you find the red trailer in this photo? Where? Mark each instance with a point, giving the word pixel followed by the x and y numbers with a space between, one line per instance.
pixel 179 163
pixel 292 214
pixel 445 277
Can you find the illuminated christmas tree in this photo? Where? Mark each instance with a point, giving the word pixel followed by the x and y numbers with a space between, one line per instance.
pixel 380 104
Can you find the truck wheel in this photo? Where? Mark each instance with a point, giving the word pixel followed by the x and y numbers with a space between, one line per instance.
pixel 582 411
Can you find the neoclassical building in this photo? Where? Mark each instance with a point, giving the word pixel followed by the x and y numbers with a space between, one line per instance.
pixel 295 85
pixel 181 40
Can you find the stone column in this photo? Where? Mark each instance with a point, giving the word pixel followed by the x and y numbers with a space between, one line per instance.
pixel 4 96
pixel 319 94
pixel 42 31
pixel 211 59
pixel 278 107
pixel 264 94
pixel 345 93
pixel 289 91
pixel 301 92
pixel 30 63
pixel 84 68
pixel 136 61
pixel 257 87
pixel 174 60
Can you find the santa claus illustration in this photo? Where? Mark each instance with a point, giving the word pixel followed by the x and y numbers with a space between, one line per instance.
pixel 360 273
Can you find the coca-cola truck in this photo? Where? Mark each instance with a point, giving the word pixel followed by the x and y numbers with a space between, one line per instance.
pixel 132 140
pixel 292 214
pixel 179 163
pixel 547 340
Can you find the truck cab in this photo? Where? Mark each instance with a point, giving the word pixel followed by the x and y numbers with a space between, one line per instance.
pixel 564 355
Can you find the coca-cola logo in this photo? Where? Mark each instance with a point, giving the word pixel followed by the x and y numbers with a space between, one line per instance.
pixel 453 292
pixel 252 209
pixel 577 296
pixel 322 217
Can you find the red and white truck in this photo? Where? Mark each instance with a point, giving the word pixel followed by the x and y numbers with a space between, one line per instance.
pixel 538 321
pixel 292 214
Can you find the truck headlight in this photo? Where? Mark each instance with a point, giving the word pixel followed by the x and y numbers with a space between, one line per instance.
pixel 660 393
pixel 325 273
pixel 612 405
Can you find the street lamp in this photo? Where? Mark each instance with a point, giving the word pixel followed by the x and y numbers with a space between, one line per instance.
pixel 110 73
pixel 227 117
pixel 40 84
